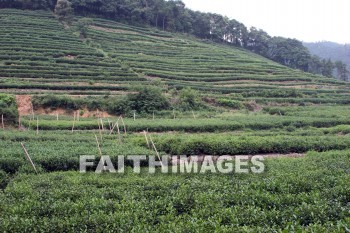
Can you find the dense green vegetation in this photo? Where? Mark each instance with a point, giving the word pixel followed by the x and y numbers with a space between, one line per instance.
pixel 174 16
pixel 309 194
pixel 193 97
pixel 39 56
pixel 8 108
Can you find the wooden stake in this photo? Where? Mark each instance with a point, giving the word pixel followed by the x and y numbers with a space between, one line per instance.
pixel 2 122
pixel 119 137
pixel 109 124
pixel 28 158
pixel 134 115
pixel 145 133
pixel 37 125
pixel 99 128
pixel 155 149
pixel 78 115
pixel 19 122
pixel 114 127
pixel 174 114
pixel 57 117
pixel 102 125
pixel 98 146
pixel 194 116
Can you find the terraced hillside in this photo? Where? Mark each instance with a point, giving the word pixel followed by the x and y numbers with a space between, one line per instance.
pixel 245 110
pixel 39 55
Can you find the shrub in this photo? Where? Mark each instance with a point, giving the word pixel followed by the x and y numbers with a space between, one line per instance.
pixel 8 108
pixel 147 100
pixel 230 103
pixel 189 99
pixel 54 101
pixel 4 179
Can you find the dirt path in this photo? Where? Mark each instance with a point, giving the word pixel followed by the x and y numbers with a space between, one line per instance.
pixel 24 103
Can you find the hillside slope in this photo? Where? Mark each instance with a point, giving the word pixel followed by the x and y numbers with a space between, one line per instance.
pixel 39 55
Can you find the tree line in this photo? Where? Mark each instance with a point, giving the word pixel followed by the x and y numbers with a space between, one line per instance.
pixel 172 15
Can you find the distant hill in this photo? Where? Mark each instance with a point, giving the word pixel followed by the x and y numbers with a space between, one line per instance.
pixel 331 50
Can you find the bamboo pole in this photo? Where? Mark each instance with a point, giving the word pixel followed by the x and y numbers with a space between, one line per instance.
pixel 2 122
pixel 28 158
pixel 145 133
pixel 102 125
pixel 19 122
pixel 78 115
pixel 109 124
pixel 194 116
pixel 134 115
pixel 123 124
pixel 56 116
pixel 98 146
pixel 155 149
pixel 119 137
pixel 111 131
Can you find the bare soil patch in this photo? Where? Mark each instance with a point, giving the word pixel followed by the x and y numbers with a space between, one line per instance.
pixel 84 113
pixel 24 103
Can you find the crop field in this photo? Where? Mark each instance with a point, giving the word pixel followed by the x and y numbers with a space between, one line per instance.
pixel 307 193
pixel 297 123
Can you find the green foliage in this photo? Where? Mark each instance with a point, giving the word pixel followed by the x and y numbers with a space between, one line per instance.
pixel 83 26
pixel 285 198
pixel 146 100
pixel 8 108
pixel 64 11
pixel 55 101
pixel 248 145
pixel 189 99
pixel 119 57
pixel 235 104
pixel 4 179
pixel 174 16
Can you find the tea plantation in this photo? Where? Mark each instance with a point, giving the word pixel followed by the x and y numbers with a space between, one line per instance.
pixel 247 105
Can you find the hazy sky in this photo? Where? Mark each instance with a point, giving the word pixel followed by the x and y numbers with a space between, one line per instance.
pixel 306 20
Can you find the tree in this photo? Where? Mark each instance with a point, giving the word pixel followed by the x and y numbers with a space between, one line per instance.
pixel 236 33
pixel 342 71
pixel 83 25
pixel 218 25
pixel 64 11
pixel 258 41
pixel 327 68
